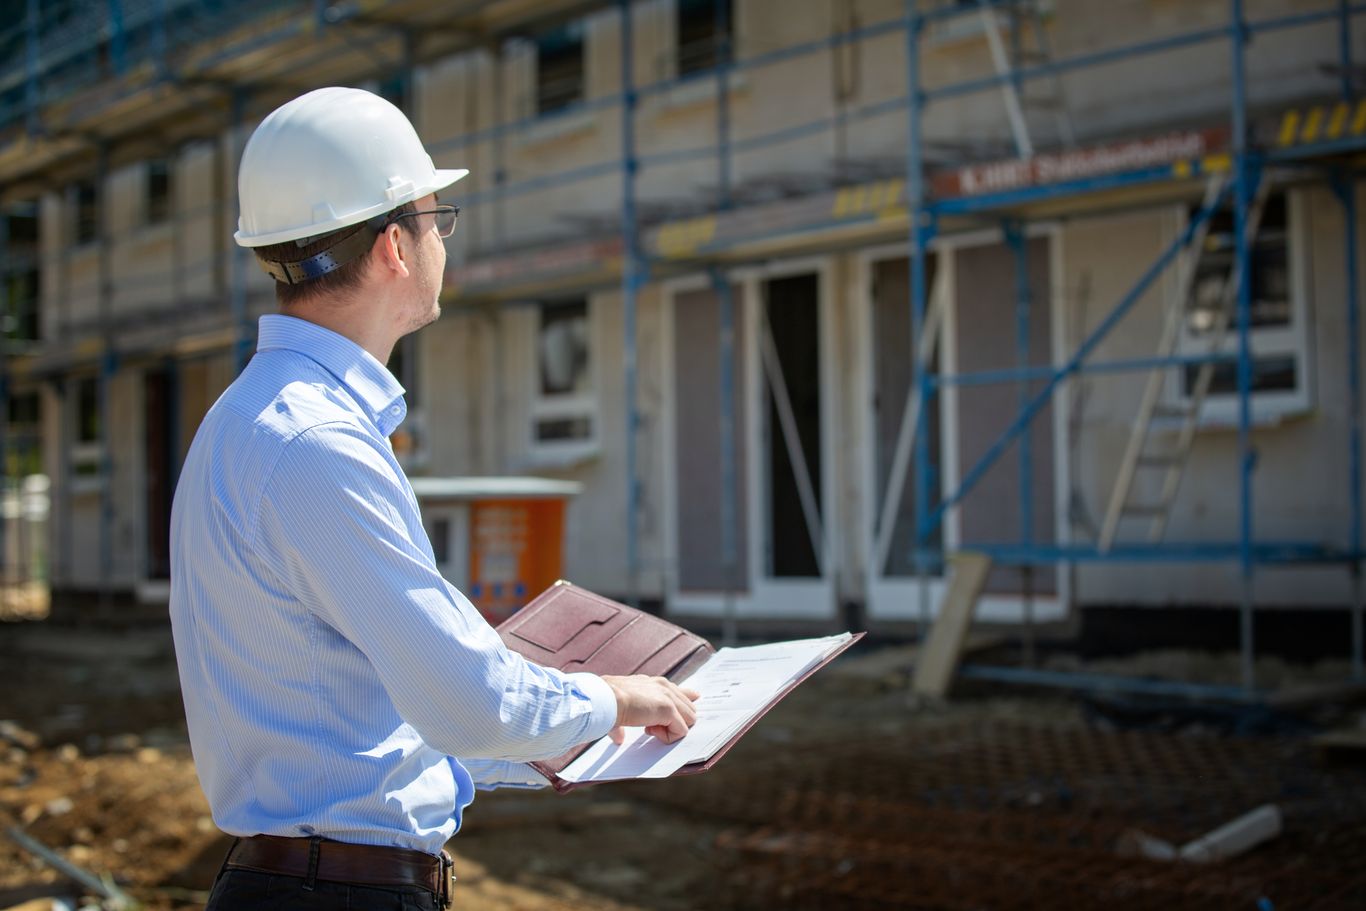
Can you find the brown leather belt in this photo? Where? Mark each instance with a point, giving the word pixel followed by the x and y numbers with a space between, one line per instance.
pixel 342 862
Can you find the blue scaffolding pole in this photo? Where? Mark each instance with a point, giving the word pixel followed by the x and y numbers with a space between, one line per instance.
pixel 729 489
pixel 730 553
pixel 108 367
pixel 922 230
pixel 31 44
pixel 723 67
pixel 1242 193
pixel 241 332
pixel 631 280
pixel 1013 232
pixel 1344 187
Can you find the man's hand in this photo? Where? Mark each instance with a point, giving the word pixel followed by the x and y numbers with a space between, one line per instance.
pixel 663 708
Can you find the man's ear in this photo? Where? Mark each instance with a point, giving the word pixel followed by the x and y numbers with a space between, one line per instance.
pixel 393 254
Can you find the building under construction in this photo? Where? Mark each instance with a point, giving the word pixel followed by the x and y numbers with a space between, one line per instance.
pixel 807 296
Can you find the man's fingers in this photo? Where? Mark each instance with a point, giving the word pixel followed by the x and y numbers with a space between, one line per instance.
pixel 686 709
pixel 669 732
pixel 665 709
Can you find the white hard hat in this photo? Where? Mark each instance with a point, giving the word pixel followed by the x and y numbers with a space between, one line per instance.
pixel 331 158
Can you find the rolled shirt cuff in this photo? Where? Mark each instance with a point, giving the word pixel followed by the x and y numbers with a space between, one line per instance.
pixel 604 704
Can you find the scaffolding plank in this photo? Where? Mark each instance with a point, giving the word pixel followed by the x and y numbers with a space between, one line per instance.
pixel 935 668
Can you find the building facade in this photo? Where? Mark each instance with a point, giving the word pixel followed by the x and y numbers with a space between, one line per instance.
pixel 756 379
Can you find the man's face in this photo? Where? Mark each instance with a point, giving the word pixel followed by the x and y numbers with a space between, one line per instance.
pixel 429 265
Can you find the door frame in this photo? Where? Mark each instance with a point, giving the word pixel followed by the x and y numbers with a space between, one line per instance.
pixel 766 597
pixel 897 598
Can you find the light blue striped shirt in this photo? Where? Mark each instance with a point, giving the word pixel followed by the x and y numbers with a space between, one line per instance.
pixel 330 674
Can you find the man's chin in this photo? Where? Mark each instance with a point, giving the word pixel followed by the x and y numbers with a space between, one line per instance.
pixel 425 319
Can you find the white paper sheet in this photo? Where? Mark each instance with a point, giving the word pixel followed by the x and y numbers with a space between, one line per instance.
pixel 735 683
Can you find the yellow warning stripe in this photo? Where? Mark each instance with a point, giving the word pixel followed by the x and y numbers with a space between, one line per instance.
pixel 1290 127
pixel 1219 161
pixel 1337 121
pixel 872 197
pixel 684 237
pixel 1312 123
pixel 1322 123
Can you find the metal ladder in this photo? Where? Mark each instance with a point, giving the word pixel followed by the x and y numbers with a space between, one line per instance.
pixel 1018 101
pixel 1170 462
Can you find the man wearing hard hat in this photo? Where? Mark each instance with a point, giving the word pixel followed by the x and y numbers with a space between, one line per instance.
pixel 344 701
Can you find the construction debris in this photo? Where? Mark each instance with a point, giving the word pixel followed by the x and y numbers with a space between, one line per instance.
pixel 19 737
pixel 1229 840
pixel 1233 838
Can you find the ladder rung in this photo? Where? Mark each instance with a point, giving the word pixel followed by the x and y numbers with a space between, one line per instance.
pixel 1158 461
pixel 1145 509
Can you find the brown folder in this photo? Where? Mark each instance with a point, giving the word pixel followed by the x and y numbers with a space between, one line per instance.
pixel 571 629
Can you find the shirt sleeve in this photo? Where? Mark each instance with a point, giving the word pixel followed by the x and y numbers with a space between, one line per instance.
pixel 338 524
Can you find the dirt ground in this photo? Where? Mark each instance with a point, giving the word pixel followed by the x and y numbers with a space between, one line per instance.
pixel 844 797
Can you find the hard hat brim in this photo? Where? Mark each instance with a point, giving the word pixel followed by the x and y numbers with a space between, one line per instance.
pixel 441 179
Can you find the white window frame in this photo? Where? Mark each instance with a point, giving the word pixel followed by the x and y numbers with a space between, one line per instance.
pixel 1220 410
pixel 583 405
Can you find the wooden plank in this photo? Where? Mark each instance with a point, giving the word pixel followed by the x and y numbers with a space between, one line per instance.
pixel 934 671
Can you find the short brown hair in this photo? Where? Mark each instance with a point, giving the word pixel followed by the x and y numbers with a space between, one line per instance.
pixel 344 277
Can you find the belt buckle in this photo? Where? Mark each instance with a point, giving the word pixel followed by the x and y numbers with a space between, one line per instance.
pixel 446 895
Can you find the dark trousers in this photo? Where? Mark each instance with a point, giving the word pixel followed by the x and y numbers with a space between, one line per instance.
pixel 245 890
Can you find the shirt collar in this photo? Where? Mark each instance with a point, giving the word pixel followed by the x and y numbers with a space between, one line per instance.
pixel 367 379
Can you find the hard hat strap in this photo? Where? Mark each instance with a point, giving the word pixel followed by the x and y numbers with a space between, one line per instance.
pixel 349 248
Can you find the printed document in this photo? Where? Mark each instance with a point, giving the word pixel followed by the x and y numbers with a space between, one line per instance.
pixel 736 684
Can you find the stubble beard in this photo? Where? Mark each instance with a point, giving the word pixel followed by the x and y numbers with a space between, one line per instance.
pixel 427 307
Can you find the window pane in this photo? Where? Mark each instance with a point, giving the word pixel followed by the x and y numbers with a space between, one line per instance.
pixel 701 35
pixel 562 349
pixel 559 68
pixel 87 213
pixel 158 190
pixel 1269 374
pixel 561 429
pixel 88 411
pixel 1269 269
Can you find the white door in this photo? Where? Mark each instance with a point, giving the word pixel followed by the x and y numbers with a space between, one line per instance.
pixel 782 472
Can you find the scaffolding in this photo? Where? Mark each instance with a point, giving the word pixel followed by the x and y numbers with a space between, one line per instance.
pixel 346 42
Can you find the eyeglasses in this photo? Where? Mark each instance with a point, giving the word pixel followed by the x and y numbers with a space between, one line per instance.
pixel 446 218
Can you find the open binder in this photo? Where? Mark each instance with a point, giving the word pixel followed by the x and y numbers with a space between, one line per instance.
pixel 571 629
